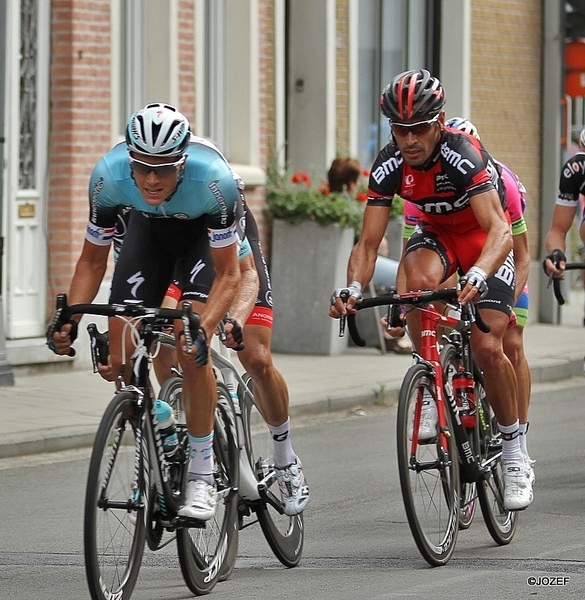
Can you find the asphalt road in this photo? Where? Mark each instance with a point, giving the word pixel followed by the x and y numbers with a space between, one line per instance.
pixel 357 545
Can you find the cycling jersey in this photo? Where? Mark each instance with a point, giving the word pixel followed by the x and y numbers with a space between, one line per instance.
pixel 206 188
pixel 516 203
pixel 460 169
pixel 572 181
pixel 169 239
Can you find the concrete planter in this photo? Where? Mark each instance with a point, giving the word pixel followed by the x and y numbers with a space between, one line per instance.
pixel 394 232
pixel 308 262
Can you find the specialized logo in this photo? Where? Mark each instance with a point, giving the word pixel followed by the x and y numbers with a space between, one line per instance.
pixel 196 270
pixel 137 279
pixel 463 165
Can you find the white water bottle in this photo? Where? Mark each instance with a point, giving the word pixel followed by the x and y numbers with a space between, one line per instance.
pixel 167 427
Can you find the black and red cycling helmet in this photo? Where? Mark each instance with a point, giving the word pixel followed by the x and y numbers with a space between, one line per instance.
pixel 412 95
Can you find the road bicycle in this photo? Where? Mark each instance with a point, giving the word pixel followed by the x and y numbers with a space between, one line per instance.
pixel 258 495
pixel 134 491
pixel 441 478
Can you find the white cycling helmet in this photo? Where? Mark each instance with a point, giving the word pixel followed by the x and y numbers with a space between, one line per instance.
pixel 463 124
pixel 582 139
pixel 159 130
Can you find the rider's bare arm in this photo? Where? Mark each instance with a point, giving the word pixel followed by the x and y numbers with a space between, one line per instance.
pixel 556 237
pixel 489 214
pixel 521 262
pixel 224 288
pixel 89 273
pixel 362 260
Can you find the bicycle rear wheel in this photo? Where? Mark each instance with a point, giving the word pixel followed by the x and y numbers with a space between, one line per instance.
pixel 500 522
pixel 114 523
pixel 208 552
pixel 285 535
pixel 429 475
pixel 451 362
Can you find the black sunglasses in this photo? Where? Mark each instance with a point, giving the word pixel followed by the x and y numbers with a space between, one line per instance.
pixel 161 170
pixel 418 128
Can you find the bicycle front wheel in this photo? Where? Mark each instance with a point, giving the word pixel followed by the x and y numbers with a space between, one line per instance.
pixel 429 474
pixel 285 535
pixel 114 522
pixel 208 552
pixel 500 522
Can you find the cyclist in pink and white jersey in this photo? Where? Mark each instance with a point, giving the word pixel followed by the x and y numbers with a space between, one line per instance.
pixel 513 338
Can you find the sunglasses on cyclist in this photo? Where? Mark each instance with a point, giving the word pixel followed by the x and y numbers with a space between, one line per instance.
pixel 418 128
pixel 160 170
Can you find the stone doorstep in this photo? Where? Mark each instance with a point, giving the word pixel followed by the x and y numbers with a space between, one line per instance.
pixel 31 356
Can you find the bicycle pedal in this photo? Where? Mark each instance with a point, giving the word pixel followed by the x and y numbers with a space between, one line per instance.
pixel 188 523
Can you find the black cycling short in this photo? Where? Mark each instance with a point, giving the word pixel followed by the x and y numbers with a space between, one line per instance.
pixel 157 249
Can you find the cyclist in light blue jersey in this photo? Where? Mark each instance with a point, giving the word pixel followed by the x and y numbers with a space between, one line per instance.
pixel 184 222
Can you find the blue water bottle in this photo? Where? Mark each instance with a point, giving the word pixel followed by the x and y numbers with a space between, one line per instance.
pixel 167 427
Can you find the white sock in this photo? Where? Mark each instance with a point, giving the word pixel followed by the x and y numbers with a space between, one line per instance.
pixel 201 465
pixel 511 442
pixel 282 453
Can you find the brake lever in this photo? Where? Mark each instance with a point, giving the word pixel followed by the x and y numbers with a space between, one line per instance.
pixel 187 308
pixel 344 295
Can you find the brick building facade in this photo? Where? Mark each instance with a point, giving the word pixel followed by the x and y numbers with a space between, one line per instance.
pixel 506 56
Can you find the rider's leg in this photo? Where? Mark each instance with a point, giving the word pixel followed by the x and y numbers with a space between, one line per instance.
pixel 199 401
pixel 514 349
pixel 272 400
pixel 500 380
pixel 270 389
pixel 424 270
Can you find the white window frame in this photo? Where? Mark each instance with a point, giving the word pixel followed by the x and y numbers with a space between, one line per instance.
pixel 228 82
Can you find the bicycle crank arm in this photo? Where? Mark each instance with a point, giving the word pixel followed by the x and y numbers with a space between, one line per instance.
pixel 267 496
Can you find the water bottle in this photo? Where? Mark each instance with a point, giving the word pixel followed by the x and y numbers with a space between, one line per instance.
pixel 465 397
pixel 167 428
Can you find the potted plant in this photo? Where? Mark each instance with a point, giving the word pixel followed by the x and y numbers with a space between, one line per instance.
pixel 313 232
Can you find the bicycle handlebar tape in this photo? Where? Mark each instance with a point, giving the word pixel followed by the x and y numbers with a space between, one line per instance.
pixel 358 340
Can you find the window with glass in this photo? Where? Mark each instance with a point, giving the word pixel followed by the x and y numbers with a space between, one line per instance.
pixel 393 36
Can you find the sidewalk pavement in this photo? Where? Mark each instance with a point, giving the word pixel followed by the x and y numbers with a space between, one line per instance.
pixel 62 410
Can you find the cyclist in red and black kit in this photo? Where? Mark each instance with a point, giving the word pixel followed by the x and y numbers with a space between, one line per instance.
pixel 464 227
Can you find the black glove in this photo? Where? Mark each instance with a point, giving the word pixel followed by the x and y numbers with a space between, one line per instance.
pixel 56 326
pixel 201 346
pixel 556 257
pixel 237 330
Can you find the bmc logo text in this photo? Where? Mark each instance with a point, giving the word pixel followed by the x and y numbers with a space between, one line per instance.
pixel 455 159
pixel 386 168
